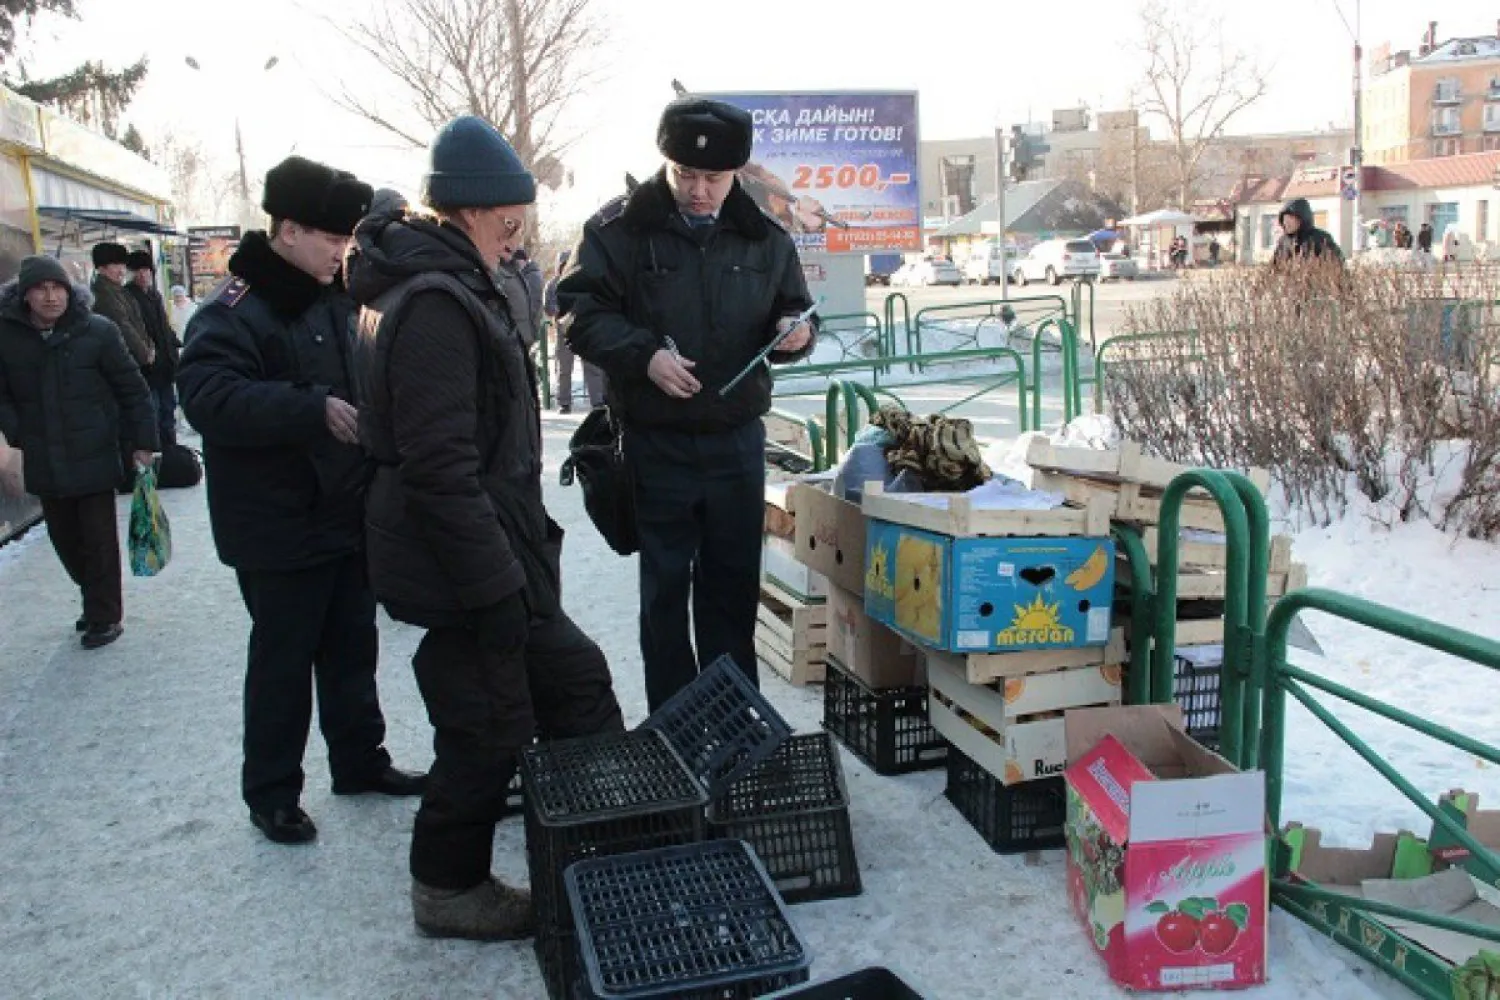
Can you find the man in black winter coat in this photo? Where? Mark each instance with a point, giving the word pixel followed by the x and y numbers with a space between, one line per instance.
pixel 266 379
pixel 460 541
pixel 111 271
pixel 674 290
pixel 162 372
pixel 1301 240
pixel 70 393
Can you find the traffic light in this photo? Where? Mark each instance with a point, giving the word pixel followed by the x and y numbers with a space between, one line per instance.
pixel 1026 153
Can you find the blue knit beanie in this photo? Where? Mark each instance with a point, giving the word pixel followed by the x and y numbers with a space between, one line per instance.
pixel 471 165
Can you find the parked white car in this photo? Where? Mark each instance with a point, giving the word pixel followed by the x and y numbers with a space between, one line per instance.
pixel 1117 267
pixel 927 272
pixel 985 266
pixel 1056 260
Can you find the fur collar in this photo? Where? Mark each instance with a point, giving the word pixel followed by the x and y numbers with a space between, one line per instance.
pixel 289 292
pixel 652 207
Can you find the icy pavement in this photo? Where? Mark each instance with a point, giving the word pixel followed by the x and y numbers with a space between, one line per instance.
pixel 129 868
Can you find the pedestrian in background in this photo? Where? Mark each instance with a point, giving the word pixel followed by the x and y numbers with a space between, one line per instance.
pixel 70 393
pixel 161 373
pixel 266 378
pixel 1424 238
pixel 181 310
pixel 593 377
pixel 111 271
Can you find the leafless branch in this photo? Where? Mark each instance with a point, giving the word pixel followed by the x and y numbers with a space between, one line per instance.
pixel 516 63
pixel 1195 81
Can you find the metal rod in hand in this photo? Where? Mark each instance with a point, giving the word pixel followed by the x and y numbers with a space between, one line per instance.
pixel 776 342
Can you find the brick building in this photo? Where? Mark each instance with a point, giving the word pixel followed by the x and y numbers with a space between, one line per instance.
pixel 1441 100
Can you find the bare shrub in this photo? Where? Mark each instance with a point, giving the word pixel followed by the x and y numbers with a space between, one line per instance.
pixel 1380 380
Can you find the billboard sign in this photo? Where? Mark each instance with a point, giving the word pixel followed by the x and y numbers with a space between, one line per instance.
pixel 838 170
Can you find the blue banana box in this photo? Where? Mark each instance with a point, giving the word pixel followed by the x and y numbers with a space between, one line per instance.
pixel 989 595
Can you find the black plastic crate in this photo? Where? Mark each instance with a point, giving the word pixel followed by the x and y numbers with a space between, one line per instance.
pixel 886 729
pixel 1196 684
pixel 721 725
pixel 866 984
pixel 1010 818
pixel 794 810
pixel 557 957
pixel 599 796
pixel 701 921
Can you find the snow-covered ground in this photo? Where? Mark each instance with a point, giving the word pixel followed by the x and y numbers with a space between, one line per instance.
pixel 129 869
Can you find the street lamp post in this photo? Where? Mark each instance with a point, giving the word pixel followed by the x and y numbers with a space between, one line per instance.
pixel 1357 152
pixel 239 141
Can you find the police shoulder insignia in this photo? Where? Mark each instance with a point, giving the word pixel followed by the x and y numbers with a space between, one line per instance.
pixel 611 211
pixel 234 290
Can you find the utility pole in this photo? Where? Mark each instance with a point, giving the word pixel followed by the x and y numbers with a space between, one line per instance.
pixel 1358 153
pixel 1000 211
pixel 239 151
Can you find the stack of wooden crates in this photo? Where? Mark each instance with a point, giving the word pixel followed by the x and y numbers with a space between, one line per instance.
pixel 791 628
pixel 1130 484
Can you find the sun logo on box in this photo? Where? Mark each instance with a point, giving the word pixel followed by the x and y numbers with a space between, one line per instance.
pixel 877 578
pixel 1036 623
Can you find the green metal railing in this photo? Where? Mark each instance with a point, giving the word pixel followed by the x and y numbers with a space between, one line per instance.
pixel 1029 309
pixel 893 300
pixel 850 395
pixel 1316 905
pixel 1072 398
pixel 1142 598
pixel 544 366
pixel 870 340
pixel 1116 344
pixel 1080 289
pixel 814 439
pixel 1247 527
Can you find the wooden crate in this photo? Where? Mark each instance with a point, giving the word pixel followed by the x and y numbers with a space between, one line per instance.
pixel 1130 464
pixel 955 515
pixel 1194 632
pixel 1215 555
pixel 791 637
pixel 982 668
pixel 1216 585
pixel 1126 501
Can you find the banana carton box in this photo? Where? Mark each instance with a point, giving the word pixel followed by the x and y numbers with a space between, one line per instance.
pixel 989 595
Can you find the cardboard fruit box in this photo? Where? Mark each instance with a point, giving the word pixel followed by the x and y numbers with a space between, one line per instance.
pixel 1013 730
pixel 830 535
pixel 780 568
pixel 872 652
pixel 989 595
pixel 1166 852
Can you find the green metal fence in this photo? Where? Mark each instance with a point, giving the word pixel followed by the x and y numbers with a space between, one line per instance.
pixel 1352 920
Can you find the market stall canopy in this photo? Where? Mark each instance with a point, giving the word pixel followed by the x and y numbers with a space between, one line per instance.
pixel 108 219
pixel 1160 217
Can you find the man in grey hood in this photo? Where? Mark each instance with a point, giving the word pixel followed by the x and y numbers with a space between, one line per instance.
pixel 70 397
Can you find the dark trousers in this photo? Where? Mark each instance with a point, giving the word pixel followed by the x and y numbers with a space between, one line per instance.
pixel 87 540
pixel 593 378
pixel 165 398
pixel 310 627
pixel 485 706
pixel 700 512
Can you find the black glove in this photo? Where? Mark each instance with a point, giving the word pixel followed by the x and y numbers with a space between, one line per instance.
pixel 503 627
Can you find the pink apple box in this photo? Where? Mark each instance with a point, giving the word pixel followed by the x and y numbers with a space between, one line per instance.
pixel 1166 852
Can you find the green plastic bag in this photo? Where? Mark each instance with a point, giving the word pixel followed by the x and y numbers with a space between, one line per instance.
pixel 150 531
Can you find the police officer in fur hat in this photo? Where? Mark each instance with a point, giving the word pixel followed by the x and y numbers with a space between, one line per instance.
pixel 266 379
pixel 674 290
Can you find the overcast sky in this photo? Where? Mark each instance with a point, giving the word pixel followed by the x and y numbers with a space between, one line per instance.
pixel 976 64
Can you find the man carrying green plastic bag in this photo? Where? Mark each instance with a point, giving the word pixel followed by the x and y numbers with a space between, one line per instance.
pixel 150 531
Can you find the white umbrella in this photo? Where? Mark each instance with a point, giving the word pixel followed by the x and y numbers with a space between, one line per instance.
pixel 1160 217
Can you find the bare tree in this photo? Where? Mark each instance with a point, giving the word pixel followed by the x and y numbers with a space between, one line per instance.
pixel 515 63
pixel 200 190
pixel 1195 81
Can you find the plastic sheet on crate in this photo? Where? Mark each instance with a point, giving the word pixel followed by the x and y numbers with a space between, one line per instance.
pixel 888 729
pixel 793 809
pixel 685 922
pixel 866 984
pixel 721 725
pixel 1010 818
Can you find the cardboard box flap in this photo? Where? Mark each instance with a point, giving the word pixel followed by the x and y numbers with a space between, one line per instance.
pixel 1449 893
pixel 1107 778
pixel 1344 866
pixel 1222 805
pixel 1144 729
